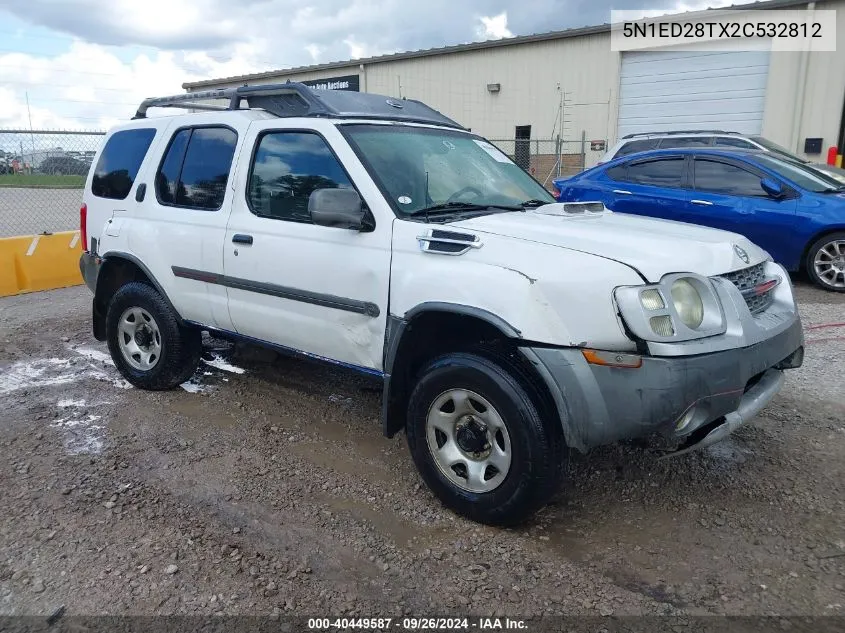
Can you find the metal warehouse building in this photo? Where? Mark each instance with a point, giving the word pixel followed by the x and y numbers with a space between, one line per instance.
pixel 524 91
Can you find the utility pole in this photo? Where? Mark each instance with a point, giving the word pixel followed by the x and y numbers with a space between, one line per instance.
pixel 560 112
pixel 29 114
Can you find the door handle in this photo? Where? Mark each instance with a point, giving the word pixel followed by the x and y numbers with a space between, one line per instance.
pixel 240 238
pixel 622 191
pixel 705 203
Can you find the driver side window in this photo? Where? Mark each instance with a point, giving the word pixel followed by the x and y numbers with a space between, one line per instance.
pixel 286 169
pixel 717 177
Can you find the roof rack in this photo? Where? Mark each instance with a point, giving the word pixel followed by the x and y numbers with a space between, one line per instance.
pixel 670 133
pixel 292 99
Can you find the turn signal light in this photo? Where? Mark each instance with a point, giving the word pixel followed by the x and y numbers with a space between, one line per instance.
pixel 612 359
pixel 662 325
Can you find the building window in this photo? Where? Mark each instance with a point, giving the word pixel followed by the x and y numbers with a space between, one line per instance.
pixel 522 146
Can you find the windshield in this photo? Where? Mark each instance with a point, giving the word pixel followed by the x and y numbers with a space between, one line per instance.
pixel 776 149
pixel 422 169
pixel 801 174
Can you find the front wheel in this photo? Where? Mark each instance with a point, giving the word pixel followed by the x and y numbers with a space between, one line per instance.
pixel 826 262
pixel 480 442
pixel 146 342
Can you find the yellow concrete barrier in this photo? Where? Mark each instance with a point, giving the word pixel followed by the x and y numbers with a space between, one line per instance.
pixel 39 262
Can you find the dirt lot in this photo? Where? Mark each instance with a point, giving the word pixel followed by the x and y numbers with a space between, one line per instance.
pixel 266 486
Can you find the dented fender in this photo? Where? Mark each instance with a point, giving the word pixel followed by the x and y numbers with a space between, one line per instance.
pixel 545 293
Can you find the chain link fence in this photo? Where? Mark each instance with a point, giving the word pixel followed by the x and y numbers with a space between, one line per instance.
pixel 547 159
pixel 42 175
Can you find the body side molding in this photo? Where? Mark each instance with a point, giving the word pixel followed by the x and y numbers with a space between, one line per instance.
pixel 283 292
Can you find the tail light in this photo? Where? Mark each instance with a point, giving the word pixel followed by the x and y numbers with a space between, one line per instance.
pixel 83 226
pixel 556 193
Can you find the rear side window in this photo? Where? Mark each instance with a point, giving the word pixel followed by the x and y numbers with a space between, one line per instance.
pixel 195 169
pixel 637 146
pixel 685 141
pixel 726 141
pixel 168 175
pixel 120 161
pixel 662 172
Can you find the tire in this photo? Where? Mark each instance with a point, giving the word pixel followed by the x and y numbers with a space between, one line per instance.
pixel 171 351
pixel 825 262
pixel 533 441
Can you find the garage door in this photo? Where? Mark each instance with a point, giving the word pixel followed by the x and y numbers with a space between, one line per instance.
pixel 690 90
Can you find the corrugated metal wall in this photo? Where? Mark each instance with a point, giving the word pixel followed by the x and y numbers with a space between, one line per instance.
pixel 690 90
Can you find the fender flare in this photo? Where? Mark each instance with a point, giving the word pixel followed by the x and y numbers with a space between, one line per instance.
pixel 392 419
pixel 99 313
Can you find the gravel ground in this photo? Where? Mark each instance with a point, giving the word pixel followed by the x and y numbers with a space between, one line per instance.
pixel 265 486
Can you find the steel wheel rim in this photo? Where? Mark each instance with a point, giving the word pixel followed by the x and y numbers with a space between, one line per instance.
pixel 460 413
pixel 139 339
pixel 829 263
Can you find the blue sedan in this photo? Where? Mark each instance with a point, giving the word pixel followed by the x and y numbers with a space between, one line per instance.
pixel 790 209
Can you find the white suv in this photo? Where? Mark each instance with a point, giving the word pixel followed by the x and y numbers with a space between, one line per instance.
pixel 379 235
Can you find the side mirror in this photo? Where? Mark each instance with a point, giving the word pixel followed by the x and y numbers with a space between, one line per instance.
pixel 339 208
pixel 772 187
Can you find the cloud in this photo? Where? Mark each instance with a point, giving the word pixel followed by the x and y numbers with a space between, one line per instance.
pixel 494 28
pixel 356 50
pixel 90 87
pixel 97 59
pixel 315 51
pixel 160 23
pixel 680 6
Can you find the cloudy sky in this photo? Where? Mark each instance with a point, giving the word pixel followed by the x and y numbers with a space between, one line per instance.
pixel 86 64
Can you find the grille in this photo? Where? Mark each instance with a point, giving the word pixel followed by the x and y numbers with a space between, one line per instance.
pixel 745 280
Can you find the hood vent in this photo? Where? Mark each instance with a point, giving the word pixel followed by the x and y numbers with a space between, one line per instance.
pixel 572 209
pixel 447 242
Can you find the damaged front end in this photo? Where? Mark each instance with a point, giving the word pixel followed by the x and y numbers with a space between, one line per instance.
pixel 692 390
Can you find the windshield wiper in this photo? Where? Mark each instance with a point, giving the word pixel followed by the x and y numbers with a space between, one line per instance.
pixel 534 203
pixel 460 207
pixel 839 189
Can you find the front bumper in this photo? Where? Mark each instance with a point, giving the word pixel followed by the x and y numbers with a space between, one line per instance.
pixel 600 404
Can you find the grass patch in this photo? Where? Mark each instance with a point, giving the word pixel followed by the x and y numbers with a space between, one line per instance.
pixel 42 180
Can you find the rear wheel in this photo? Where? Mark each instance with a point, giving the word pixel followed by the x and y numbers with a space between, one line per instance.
pixel 825 262
pixel 479 440
pixel 146 342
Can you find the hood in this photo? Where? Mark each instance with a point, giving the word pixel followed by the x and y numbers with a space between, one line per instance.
pixel 833 171
pixel 653 247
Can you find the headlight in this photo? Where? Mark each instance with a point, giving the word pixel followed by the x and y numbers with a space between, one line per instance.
pixel 688 303
pixel 682 307
pixel 651 299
